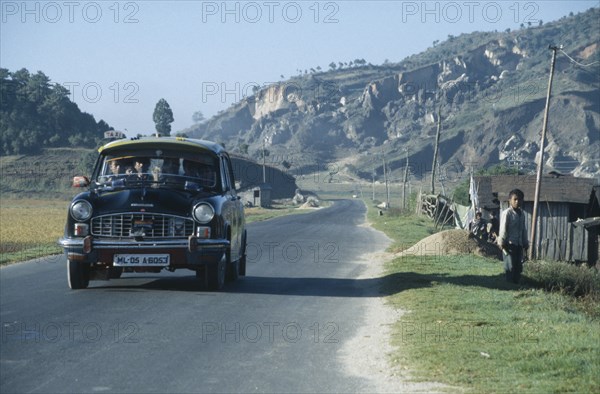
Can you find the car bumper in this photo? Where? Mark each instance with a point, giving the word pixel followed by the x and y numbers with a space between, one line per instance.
pixel 185 253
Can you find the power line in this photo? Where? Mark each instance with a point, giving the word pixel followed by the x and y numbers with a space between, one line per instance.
pixel 576 62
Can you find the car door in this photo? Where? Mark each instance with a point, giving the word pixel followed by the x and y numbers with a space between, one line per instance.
pixel 231 206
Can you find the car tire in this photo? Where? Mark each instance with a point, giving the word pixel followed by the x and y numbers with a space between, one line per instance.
pixel 233 268
pixel 115 272
pixel 78 275
pixel 233 271
pixel 242 261
pixel 215 274
pixel 242 265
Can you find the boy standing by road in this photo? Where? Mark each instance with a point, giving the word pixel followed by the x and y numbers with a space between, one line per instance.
pixel 513 236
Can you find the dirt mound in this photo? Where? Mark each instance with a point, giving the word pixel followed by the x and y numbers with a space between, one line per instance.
pixel 452 242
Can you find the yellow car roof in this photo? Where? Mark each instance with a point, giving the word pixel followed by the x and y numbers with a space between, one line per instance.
pixel 188 144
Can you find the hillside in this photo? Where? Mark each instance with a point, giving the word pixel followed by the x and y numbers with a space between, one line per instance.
pixel 34 113
pixel 48 174
pixel 489 87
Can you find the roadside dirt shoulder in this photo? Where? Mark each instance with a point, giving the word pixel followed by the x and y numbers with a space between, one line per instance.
pixel 368 353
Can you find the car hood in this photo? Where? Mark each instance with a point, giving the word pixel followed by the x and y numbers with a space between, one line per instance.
pixel 168 201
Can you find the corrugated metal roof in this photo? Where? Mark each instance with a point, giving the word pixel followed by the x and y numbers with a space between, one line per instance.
pixel 493 189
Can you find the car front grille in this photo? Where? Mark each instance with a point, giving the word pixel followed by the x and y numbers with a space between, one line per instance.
pixel 142 225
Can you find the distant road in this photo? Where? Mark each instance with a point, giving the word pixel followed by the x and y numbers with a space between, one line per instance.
pixel 280 329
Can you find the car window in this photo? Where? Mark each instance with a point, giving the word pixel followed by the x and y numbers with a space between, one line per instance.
pixel 225 175
pixel 229 170
pixel 205 173
pixel 120 167
pixel 161 168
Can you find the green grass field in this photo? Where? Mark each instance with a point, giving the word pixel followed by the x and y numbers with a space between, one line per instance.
pixel 468 328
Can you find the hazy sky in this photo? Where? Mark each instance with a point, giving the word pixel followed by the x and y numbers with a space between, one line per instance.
pixel 119 58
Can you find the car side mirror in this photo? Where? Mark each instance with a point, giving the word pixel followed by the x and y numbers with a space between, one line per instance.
pixel 81 181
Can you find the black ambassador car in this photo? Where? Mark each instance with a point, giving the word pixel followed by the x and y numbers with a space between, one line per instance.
pixel 156 204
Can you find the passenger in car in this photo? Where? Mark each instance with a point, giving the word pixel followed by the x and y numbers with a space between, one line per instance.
pixel 205 173
pixel 141 167
pixel 208 175
pixel 190 168
pixel 169 172
pixel 170 166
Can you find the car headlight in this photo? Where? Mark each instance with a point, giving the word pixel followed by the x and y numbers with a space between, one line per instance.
pixel 81 210
pixel 203 213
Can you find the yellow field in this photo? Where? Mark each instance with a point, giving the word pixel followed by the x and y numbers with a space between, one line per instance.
pixel 29 228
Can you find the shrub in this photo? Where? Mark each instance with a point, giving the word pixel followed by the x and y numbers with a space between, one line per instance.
pixel 578 281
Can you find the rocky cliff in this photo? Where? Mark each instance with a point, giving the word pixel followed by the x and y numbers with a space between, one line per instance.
pixel 489 88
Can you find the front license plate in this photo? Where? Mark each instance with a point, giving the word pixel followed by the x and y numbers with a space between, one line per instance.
pixel 140 260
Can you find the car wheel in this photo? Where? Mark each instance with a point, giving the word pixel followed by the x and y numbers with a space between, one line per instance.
pixel 215 274
pixel 242 264
pixel 233 271
pixel 242 261
pixel 115 272
pixel 233 268
pixel 78 275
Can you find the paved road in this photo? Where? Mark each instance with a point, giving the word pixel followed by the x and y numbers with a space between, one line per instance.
pixel 280 329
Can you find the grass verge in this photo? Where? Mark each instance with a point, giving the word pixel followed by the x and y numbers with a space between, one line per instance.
pixel 468 328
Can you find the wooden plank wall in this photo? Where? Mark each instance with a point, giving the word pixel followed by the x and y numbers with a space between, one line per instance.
pixel 578 243
pixel 557 239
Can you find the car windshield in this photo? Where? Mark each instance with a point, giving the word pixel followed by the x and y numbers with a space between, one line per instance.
pixel 168 169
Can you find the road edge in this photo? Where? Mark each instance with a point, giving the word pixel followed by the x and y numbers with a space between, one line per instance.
pixel 368 354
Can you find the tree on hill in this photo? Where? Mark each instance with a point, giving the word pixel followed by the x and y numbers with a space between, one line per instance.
pixel 34 113
pixel 198 117
pixel 163 117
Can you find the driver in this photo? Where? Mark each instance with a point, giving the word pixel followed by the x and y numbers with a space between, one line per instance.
pixel 116 167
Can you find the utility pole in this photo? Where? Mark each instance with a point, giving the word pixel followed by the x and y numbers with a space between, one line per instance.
pixel 404 182
pixel 387 190
pixel 264 163
pixel 441 178
pixel 435 149
pixel 538 180
pixel 373 184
